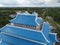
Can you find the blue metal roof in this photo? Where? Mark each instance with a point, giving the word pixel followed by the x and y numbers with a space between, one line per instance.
pixel 53 37
pixel 43 36
pixel 46 29
pixel 25 19
pixel 16 41
pixel 40 20
pixel 4 43
pixel 17 35
pixel 30 34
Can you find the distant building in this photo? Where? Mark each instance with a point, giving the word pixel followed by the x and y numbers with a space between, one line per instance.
pixel 19 12
pixel 27 29
pixel 13 15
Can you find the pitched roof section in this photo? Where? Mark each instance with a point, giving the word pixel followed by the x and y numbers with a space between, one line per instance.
pixel 45 35
pixel 30 34
pixel 26 19
pixel 4 43
pixel 53 37
pixel 18 40
pixel 46 29
pixel 40 20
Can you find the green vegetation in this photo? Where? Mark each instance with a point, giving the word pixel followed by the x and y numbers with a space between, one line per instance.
pixel 43 12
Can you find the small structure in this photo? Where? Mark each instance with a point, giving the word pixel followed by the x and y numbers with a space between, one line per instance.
pixel 13 15
pixel 23 30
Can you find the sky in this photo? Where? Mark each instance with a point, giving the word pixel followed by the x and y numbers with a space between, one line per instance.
pixel 29 3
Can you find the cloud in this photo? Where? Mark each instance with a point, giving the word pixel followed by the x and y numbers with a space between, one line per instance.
pixel 51 1
pixel 20 1
pixel 28 3
pixel 8 2
pixel 1 5
pixel 23 2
